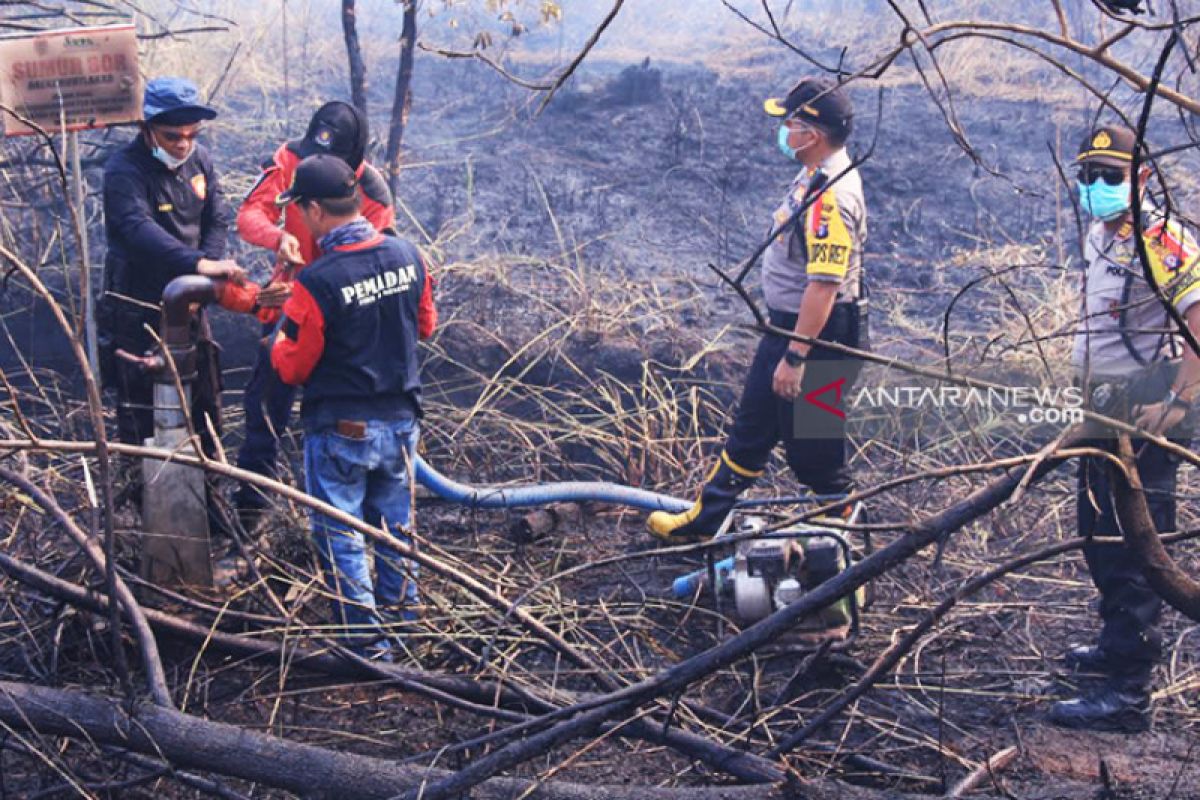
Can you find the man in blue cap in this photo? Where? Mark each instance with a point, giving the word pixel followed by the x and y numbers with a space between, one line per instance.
pixel 164 216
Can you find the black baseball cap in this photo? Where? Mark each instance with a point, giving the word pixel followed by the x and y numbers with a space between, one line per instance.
pixel 337 128
pixel 819 101
pixel 1109 145
pixel 320 177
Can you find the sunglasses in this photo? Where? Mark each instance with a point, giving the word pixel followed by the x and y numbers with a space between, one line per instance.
pixel 1113 176
pixel 175 137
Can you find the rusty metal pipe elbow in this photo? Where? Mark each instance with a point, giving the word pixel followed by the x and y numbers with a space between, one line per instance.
pixel 177 300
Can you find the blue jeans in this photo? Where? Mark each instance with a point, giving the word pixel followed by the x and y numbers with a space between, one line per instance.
pixel 367 478
pixel 268 404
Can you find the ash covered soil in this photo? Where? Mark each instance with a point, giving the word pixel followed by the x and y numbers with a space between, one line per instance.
pixel 575 247
pixel 584 336
pixel 608 212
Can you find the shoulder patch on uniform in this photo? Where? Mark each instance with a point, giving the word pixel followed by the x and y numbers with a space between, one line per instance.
pixel 828 239
pixel 1174 258
pixel 374 187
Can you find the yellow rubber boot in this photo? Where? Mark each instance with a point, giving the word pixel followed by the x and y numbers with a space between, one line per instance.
pixel 721 489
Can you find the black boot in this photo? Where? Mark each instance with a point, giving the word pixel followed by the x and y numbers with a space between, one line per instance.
pixel 1112 707
pixel 726 481
pixel 1087 658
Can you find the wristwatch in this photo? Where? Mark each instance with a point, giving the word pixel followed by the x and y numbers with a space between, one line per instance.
pixel 794 359
pixel 1173 399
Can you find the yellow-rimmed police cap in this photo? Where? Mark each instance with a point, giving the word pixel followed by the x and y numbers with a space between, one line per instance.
pixel 1108 145
pixel 820 101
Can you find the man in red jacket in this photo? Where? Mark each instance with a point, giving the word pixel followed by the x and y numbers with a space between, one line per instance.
pixel 349 335
pixel 337 129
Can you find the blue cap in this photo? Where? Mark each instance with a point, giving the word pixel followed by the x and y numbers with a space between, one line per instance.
pixel 174 101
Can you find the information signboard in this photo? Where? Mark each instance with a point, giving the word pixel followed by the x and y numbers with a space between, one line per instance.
pixel 87 76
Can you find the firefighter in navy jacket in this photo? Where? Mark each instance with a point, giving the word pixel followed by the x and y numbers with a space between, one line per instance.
pixel 349 335
pixel 164 216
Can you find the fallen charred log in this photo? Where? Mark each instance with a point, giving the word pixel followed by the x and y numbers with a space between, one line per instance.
pixel 192 742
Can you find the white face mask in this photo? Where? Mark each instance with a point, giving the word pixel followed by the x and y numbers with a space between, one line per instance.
pixel 166 158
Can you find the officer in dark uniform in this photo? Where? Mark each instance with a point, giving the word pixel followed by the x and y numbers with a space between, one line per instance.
pixel 1134 368
pixel 164 216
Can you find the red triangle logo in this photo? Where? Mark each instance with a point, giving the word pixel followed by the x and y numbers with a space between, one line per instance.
pixel 836 387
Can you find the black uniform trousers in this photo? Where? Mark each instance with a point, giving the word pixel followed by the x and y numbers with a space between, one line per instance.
pixel 814 437
pixel 1129 608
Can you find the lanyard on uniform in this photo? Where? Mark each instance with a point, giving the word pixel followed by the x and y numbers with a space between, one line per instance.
pixel 1123 308
pixel 815 184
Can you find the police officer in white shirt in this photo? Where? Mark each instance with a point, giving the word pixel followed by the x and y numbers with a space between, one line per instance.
pixel 1134 366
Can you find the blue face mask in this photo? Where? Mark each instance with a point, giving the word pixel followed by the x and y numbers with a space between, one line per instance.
pixel 171 161
pixel 784 147
pixel 1102 201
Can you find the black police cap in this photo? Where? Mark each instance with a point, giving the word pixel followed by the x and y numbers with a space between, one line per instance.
pixel 320 177
pixel 1108 145
pixel 819 101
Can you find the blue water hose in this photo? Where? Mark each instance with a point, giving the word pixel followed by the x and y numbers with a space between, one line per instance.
pixel 687 585
pixel 541 494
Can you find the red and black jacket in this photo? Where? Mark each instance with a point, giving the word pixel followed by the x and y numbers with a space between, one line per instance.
pixel 258 219
pixel 350 332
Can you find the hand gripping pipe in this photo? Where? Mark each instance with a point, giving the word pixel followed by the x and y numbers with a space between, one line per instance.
pixel 543 493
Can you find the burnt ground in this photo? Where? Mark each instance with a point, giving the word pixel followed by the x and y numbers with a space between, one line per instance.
pixel 584 336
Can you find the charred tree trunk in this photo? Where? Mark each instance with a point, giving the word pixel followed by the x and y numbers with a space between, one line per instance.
pixel 358 67
pixel 402 103
pixel 483 697
pixel 189 741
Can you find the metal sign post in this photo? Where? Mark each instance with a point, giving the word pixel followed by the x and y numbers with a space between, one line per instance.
pixel 85 262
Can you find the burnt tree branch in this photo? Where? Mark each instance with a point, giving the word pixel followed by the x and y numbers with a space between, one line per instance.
pixel 402 101
pixel 315 772
pixel 358 67
pixel 1172 584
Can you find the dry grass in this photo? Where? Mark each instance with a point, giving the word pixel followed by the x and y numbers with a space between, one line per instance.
pixel 547 368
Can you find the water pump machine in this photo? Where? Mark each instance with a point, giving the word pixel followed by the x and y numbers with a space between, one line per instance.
pixel 770 570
